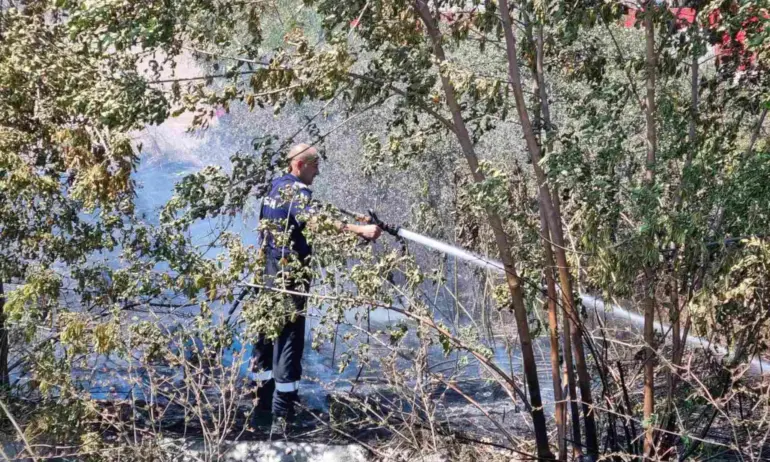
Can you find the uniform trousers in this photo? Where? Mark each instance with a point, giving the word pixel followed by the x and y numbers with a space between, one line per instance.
pixel 278 362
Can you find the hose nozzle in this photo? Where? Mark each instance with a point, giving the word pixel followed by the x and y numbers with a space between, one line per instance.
pixel 375 220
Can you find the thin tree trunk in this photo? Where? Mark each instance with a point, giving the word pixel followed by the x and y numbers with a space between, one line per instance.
pixel 553 330
pixel 4 380
pixel 756 133
pixel 545 107
pixel 552 296
pixel 569 372
pixel 551 302
pixel 694 84
pixel 649 296
pixel 679 341
pixel 555 227
pixel 569 366
pixel 501 239
pixel 676 330
pixel 633 447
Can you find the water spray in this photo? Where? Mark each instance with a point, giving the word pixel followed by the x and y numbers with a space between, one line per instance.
pixel 401 233
pixel 757 365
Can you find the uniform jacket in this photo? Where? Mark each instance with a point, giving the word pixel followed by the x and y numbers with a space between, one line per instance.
pixel 288 205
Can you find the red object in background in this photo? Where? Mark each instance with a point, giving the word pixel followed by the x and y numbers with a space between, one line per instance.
pixel 728 46
pixel 684 17
pixel 731 45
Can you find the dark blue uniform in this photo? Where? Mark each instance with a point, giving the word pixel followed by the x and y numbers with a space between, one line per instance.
pixel 277 364
pixel 287 205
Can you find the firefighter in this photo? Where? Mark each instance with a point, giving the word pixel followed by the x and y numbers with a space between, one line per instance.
pixel 276 364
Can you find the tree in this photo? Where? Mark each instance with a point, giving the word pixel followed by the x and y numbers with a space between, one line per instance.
pixel 667 195
pixel 555 228
pixel 65 157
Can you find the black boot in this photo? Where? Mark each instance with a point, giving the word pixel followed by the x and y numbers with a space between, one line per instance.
pixel 264 394
pixel 261 420
pixel 279 430
pixel 262 414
